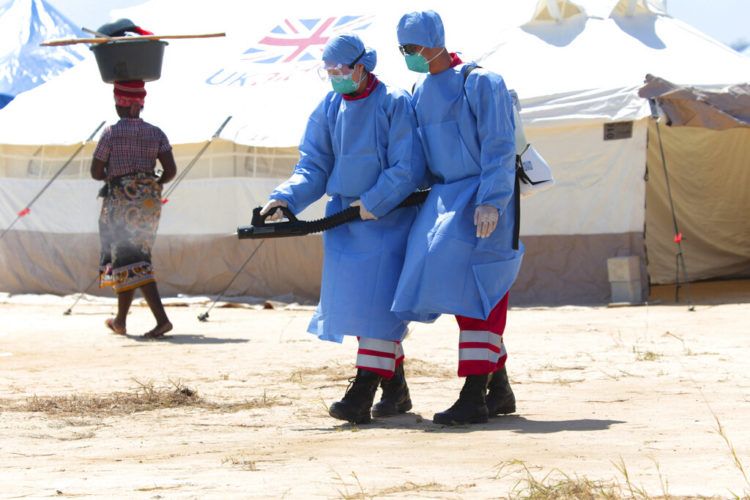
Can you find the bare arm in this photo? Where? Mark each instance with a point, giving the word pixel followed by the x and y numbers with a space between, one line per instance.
pixel 97 169
pixel 170 168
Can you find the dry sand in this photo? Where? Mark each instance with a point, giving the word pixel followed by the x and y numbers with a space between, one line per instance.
pixel 625 396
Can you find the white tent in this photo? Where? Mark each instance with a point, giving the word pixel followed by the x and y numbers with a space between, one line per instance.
pixel 578 70
pixel 576 66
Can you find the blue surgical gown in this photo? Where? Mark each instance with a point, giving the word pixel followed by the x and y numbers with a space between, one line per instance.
pixel 467 131
pixel 364 149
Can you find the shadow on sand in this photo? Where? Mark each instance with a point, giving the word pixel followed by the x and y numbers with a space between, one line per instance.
pixel 513 423
pixel 188 339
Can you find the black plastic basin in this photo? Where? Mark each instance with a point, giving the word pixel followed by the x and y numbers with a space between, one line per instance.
pixel 130 59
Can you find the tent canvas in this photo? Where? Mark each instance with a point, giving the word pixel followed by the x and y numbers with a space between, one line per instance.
pixel 591 67
pixel 576 70
pixel 706 129
pixel 23 63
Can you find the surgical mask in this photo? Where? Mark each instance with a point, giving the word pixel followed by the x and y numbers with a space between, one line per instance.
pixel 344 84
pixel 418 63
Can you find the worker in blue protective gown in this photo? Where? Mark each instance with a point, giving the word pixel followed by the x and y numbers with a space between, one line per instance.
pixel 463 253
pixel 361 148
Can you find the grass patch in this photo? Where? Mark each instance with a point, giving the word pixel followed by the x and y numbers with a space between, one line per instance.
pixel 241 463
pixel 264 401
pixel 144 397
pixel 634 491
pixel 566 488
pixel 561 381
pixel 645 355
pixel 555 368
pixel 408 489
pixel 158 488
pixel 732 451
pixel 414 367
pixel 558 485
pixel 330 373
pixel 76 436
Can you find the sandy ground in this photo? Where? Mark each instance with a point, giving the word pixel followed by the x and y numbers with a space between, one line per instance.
pixel 628 396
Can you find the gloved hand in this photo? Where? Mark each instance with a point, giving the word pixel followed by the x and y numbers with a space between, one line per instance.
pixel 277 214
pixel 485 218
pixel 364 214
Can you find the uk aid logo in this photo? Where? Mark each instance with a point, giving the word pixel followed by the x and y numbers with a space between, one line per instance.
pixel 293 46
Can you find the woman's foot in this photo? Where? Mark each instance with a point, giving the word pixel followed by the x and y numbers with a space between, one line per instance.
pixel 158 331
pixel 116 327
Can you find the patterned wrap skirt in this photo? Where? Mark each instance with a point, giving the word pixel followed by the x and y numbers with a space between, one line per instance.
pixel 127 229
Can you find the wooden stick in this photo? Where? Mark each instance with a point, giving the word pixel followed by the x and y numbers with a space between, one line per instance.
pixel 72 41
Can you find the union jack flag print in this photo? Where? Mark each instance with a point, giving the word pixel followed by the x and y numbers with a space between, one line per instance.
pixel 302 40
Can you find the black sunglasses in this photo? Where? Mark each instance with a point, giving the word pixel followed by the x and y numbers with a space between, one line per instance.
pixel 408 49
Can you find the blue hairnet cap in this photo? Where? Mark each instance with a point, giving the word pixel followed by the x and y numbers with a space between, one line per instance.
pixel 349 49
pixel 423 28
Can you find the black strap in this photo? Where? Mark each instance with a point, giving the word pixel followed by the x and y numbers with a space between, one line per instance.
pixel 517 204
pixel 468 68
pixel 351 65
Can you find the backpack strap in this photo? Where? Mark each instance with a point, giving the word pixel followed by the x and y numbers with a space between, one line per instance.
pixel 468 68
pixel 465 71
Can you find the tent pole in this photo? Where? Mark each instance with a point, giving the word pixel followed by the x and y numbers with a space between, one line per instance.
pixel 27 208
pixel 204 317
pixel 192 163
pixel 80 296
pixel 680 256
pixel 165 197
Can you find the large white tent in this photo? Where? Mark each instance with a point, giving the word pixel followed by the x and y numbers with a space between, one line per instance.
pixel 579 67
pixel 576 65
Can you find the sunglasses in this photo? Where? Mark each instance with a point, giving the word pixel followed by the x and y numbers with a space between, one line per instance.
pixel 408 49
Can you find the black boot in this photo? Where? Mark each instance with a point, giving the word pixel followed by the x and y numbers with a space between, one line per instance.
pixel 471 407
pixel 395 398
pixel 355 405
pixel 500 398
